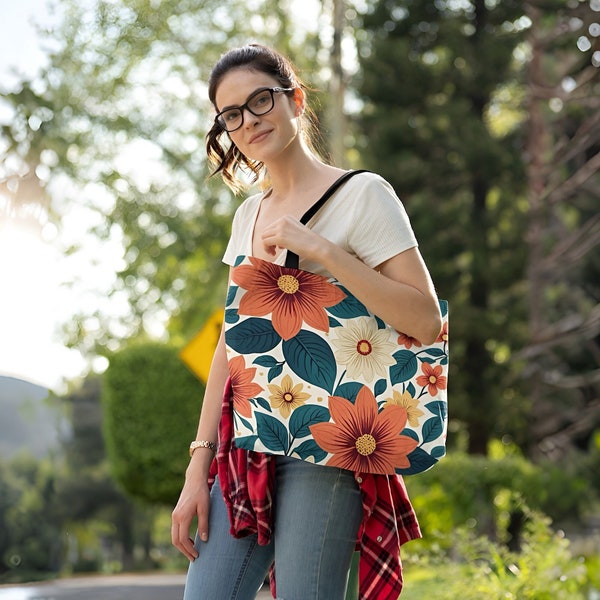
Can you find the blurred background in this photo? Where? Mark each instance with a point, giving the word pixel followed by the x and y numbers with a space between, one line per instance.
pixel 485 117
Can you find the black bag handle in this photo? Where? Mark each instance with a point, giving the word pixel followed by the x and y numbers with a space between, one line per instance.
pixel 292 260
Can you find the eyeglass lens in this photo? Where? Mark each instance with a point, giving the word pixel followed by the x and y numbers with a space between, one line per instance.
pixel 258 104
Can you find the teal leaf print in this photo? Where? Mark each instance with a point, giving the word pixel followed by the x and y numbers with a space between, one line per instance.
pixel 247 442
pixel 411 434
pixel 275 372
pixel 405 367
pixel 264 404
pixel 310 448
pixel 252 336
pixel 434 352
pixel 438 452
pixel 348 308
pixel 432 429
pixel 265 361
pixel 272 433
pixel 419 461
pixel 438 408
pixel 380 387
pixel 245 422
pixel 443 307
pixel 231 292
pixel 231 315
pixel 334 322
pixel 310 357
pixel 239 260
pixel 307 415
pixel 348 390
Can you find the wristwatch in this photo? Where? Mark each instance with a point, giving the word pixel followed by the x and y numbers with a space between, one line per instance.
pixel 202 444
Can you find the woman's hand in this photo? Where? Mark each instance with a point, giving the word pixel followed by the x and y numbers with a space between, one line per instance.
pixel 194 501
pixel 287 232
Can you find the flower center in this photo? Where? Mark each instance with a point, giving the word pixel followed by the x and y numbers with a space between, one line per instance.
pixel 288 397
pixel 288 284
pixel 432 379
pixel 364 347
pixel 365 444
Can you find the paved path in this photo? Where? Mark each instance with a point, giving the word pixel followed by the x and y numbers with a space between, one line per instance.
pixel 117 587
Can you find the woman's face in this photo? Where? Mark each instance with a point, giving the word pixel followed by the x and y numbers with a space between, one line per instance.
pixel 263 137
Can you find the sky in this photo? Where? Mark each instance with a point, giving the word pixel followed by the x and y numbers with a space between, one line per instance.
pixel 34 299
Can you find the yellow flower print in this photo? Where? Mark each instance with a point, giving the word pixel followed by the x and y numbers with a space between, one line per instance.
pixel 287 397
pixel 406 401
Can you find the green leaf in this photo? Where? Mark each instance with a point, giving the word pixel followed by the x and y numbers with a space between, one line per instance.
pixel 310 357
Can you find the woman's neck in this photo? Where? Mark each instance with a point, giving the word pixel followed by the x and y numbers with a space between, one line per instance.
pixel 297 171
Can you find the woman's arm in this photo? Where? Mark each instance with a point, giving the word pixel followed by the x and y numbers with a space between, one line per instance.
pixel 194 498
pixel 399 291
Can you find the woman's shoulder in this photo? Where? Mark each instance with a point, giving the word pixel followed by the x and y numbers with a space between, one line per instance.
pixel 248 205
pixel 368 184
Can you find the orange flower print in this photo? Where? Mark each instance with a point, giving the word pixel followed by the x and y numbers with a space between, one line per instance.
pixel 287 397
pixel 432 378
pixel 291 296
pixel 362 439
pixel 443 336
pixel 408 341
pixel 411 405
pixel 243 385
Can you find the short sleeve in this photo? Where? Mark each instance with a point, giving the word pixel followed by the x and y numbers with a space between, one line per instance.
pixel 380 227
pixel 240 241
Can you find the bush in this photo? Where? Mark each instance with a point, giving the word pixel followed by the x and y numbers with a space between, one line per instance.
pixel 151 404
pixel 487 494
pixel 544 569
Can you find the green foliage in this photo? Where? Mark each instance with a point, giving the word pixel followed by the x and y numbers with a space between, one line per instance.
pixel 545 569
pixel 117 124
pixel 489 495
pixel 31 518
pixel 151 404
pixel 430 80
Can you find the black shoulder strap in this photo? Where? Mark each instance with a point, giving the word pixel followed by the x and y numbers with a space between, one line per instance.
pixel 292 259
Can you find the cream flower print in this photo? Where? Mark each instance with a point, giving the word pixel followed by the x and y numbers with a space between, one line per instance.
pixel 364 350
pixel 287 397
pixel 406 401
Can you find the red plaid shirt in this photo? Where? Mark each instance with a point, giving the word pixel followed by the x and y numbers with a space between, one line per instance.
pixel 247 480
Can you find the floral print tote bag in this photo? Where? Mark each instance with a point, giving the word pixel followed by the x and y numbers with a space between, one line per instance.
pixel 318 377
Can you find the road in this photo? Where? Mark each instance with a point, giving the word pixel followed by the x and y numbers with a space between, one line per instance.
pixel 116 587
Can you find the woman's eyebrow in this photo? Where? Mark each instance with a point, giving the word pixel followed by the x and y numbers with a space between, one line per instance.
pixel 260 89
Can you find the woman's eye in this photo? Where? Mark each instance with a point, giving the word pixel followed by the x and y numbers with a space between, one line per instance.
pixel 232 115
pixel 261 100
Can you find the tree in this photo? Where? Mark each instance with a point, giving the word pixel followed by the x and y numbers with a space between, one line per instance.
pixel 87 488
pixel 432 76
pixel 116 123
pixel 563 164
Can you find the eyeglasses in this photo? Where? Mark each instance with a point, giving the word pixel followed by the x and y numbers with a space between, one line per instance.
pixel 259 103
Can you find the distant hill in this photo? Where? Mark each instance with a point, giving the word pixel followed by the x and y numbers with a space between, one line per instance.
pixel 28 421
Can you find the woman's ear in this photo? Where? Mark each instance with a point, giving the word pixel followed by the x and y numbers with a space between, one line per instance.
pixel 299 101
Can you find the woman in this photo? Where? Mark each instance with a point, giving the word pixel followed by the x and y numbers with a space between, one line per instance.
pixel 306 518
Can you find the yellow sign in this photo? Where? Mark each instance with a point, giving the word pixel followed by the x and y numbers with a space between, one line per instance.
pixel 198 354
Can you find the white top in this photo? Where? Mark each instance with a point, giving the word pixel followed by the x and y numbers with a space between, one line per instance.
pixel 365 217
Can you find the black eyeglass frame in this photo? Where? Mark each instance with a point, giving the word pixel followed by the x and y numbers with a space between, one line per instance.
pixel 274 90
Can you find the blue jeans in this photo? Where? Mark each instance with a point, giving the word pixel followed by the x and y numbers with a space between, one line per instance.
pixel 317 514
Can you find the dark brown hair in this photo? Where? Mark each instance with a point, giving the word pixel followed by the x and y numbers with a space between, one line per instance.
pixel 223 153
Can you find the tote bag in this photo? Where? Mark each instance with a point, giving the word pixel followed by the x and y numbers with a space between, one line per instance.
pixel 318 377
